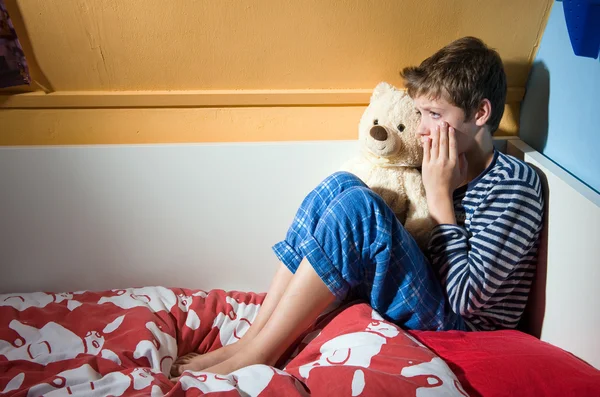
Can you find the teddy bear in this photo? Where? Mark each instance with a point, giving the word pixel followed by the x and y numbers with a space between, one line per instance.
pixel 390 157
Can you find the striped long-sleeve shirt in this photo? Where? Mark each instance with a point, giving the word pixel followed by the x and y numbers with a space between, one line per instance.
pixel 487 262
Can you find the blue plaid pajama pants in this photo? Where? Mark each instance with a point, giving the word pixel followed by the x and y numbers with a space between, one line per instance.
pixel 358 248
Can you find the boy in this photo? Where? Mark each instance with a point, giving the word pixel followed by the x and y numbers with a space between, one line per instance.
pixel 344 238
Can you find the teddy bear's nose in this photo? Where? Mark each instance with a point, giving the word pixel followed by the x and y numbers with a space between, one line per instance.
pixel 379 133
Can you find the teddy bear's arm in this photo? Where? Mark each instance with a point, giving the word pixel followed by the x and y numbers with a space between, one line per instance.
pixel 418 221
pixel 357 166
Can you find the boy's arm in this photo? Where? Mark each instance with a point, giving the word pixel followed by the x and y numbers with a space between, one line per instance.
pixel 505 227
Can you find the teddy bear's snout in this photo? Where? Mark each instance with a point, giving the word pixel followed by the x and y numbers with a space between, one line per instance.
pixel 379 133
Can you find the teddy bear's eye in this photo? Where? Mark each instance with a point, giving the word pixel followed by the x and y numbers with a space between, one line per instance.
pixel 375 122
pixel 401 127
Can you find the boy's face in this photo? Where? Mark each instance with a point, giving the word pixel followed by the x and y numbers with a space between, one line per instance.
pixel 435 111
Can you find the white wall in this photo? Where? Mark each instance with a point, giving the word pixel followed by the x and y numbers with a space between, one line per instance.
pixel 199 216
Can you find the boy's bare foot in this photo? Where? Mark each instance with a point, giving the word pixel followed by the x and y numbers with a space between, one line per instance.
pixel 198 362
pixel 247 356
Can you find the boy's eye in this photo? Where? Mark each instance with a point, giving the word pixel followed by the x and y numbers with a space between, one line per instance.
pixel 418 112
pixel 434 115
pixel 401 127
pixel 375 122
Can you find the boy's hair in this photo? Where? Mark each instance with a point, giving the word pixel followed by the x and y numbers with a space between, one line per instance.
pixel 464 73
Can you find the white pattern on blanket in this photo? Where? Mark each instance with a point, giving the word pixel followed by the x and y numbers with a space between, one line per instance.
pixel 50 345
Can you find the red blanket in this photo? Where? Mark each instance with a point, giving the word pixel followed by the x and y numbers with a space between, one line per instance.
pixel 123 342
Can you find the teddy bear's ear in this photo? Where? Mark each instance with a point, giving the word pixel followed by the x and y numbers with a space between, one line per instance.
pixel 382 89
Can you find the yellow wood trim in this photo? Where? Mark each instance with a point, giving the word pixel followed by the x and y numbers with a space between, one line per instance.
pixel 26 127
pixel 196 99
pixel 181 125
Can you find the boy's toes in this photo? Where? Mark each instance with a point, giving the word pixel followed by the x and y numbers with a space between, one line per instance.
pixel 176 370
pixel 186 358
pixel 180 364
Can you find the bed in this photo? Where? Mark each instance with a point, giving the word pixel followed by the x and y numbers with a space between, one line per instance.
pixel 121 342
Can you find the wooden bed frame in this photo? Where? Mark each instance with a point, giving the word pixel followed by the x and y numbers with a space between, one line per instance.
pixel 205 216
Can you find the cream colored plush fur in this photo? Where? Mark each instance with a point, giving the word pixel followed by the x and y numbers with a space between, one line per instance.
pixel 389 158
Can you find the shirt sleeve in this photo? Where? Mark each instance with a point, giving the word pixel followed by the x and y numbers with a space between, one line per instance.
pixel 481 265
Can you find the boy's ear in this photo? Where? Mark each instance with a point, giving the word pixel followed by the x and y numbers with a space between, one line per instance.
pixel 483 113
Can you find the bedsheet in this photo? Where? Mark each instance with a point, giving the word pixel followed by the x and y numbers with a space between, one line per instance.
pixel 123 342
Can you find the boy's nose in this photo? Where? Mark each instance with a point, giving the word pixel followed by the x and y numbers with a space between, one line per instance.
pixel 422 129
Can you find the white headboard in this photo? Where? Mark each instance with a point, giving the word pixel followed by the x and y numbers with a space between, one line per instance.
pixel 205 216
pixel 564 307
pixel 195 215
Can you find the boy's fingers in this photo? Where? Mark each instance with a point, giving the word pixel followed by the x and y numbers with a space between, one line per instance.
pixel 444 140
pixel 452 152
pixel 435 141
pixel 426 148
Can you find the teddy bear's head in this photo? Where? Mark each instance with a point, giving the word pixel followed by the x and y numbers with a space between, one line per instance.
pixel 387 130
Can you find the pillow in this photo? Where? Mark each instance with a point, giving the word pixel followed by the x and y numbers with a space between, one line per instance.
pixel 357 352
pixel 512 363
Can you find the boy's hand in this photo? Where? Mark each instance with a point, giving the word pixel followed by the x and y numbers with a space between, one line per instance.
pixel 443 171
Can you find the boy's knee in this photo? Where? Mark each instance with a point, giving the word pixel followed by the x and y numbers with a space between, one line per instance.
pixel 345 178
pixel 361 200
